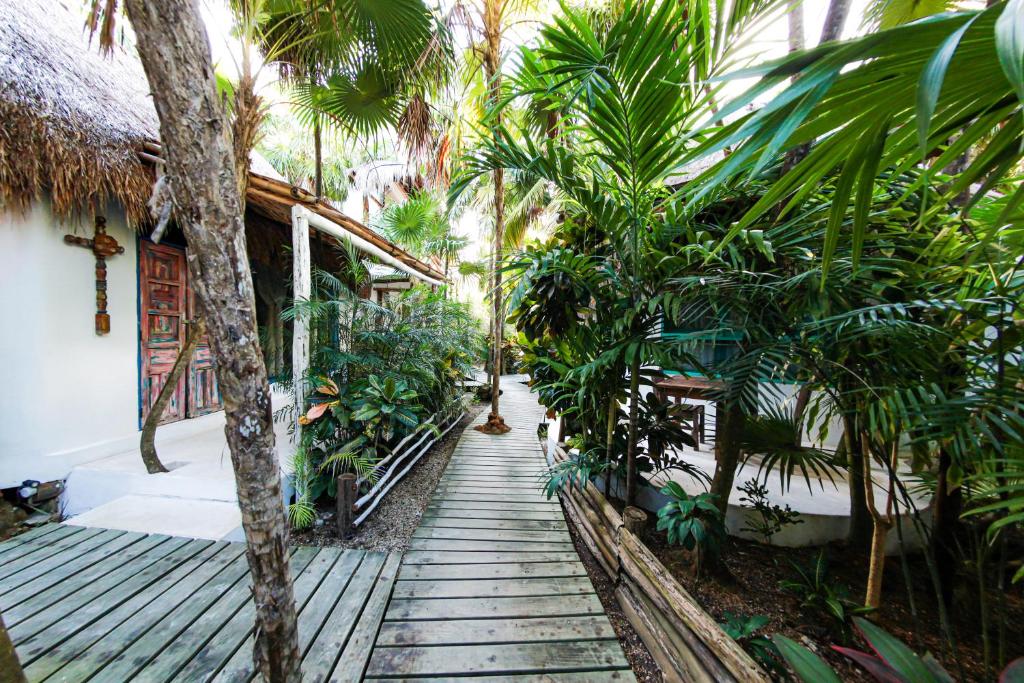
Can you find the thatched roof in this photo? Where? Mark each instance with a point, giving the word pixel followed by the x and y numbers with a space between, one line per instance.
pixel 74 124
pixel 73 121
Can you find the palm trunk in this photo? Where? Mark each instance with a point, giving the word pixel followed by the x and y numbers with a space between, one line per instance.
pixel 318 160
pixel 729 416
pixel 609 443
pixel 879 532
pixel 205 187
pixel 835 20
pixel 492 15
pixel 634 414
pixel 147 442
pixel 858 535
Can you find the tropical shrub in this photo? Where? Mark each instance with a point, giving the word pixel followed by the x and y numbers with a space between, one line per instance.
pixel 694 522
pixel 744 630
pixel 820 593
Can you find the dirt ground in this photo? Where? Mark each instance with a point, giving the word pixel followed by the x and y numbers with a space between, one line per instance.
pixel 391 525
pixel 751 587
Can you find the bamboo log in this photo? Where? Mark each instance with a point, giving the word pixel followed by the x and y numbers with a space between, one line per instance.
pixel 719 653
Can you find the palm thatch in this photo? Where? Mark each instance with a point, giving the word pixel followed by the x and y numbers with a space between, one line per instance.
pixel 74 122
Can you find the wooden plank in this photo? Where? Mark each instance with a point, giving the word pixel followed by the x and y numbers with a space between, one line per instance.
pixel 331 641
pixel 490 481
pixel 48 573
pixel 450 557
pixel 565 677
pixel 329 562
pixel 31 534
pixel 352 664
pixel 50 649
pixel 61 562
pixel 469 503
pixel 460 545
pixel 492 534
pixel 184 627
pixel 469 631
pixel 415 609
pixel 477 523
pixel 80 657
pixel 510 570
pixel 492 588
pixel 460 511
pixel 41 548
pixel 510 658
pixel 28 618
pixel 528 492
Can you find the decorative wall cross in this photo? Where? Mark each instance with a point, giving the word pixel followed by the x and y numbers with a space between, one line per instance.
pixel 103 246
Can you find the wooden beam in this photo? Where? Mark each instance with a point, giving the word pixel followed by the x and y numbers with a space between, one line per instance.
pixel 302 289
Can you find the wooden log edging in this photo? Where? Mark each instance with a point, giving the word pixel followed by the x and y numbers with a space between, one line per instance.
pixel 396 465
pixel 685 641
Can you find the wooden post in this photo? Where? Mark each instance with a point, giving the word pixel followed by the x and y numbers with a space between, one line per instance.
pixel 302 290
pixel 346 502
pixel 634 519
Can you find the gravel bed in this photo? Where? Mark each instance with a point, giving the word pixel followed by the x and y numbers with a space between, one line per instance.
pixel 391 525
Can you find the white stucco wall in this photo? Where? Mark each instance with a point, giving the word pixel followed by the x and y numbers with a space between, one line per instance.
pixel 68 395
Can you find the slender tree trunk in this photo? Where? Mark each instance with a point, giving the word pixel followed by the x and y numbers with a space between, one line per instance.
pixel 318 160
pixel 946 509
pixel 835 20
pixel 609 442
pixel 879 532
pixel 10 667
pixel 729 416
pixel 205 189
pixel 858 535
pixel 797 41
pixel 147 442
pixel 803 397
pixel 492 16
pixel 634 414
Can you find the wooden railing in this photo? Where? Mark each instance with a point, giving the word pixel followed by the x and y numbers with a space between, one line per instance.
pixel 684 640
pixel 405 454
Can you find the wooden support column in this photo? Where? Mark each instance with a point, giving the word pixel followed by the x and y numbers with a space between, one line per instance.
pixel 302 290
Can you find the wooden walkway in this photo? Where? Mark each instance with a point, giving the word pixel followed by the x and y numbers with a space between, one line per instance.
pixel 492 585
pixel 99 605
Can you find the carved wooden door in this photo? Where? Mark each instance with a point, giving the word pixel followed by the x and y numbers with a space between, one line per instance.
pixel 203 393
pixel 162 280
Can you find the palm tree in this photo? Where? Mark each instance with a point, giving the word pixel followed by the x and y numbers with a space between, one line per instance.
pixel 624 94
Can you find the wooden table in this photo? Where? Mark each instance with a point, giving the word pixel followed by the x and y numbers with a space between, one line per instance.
pixel 683 387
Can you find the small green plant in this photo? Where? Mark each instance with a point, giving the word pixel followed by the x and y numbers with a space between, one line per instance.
pixel 576 471
pixel 772 517
pixel 818 592
pixel 694 522
pixel 744 630
pixel 890 660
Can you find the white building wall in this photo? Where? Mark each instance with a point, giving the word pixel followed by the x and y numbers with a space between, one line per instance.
pixel 68 395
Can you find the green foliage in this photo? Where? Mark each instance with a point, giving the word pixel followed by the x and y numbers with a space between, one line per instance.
pixel 576 471
pixel 820 593
pixel 772 517
pixel 744 630
pixel 694 522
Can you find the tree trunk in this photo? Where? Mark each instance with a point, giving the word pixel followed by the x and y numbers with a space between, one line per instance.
pixel 835 20
pixel 492 15
pixel 797 42
pixel 634 414
pixel 147 442
pixel 10 667
pixel 946 509
pixel 609 442
pixel 881 525
pixel 729 416
pixel 318 159
pixel 858 535
pixel 205 189
pixel 803 397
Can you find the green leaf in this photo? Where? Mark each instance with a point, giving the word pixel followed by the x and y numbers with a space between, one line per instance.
pixel 930 85
pixel 809 667
pixel 1010 44
pixel 894 653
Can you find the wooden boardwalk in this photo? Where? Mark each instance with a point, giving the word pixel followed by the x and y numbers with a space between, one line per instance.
pixel 99 605
pixel 492 585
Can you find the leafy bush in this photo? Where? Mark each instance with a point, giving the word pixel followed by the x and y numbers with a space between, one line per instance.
pixel 377 373
pixel 694 522
pixel 820 593
pixel 772 517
